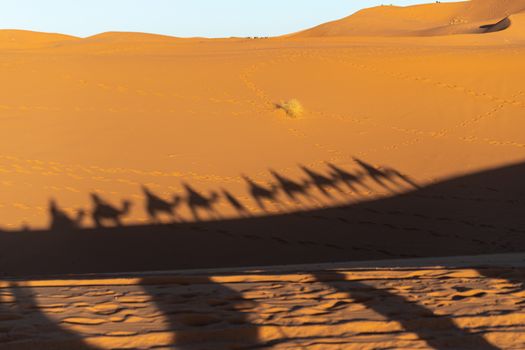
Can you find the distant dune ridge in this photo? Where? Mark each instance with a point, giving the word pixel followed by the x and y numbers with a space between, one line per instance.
pixel 14 39
pixel 466 17
pixel 475 16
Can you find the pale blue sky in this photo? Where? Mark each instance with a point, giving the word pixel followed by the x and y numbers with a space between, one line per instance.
pixel 185 18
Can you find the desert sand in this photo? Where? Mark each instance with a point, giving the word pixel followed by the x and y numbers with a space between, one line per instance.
pixel 328 307
pixel 112 112
pixel 132 152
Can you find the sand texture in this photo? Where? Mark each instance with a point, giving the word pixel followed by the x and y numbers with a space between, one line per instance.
pixel 411 308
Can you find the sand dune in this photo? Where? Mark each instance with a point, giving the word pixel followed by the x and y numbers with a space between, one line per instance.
pixel 22 39
pixel 422 20
pixel 111 113
pixel 127 152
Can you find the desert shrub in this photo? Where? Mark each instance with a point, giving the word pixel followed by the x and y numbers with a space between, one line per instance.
pixel 293 108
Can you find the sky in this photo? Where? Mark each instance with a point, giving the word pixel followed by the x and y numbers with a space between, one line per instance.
pixel 183 18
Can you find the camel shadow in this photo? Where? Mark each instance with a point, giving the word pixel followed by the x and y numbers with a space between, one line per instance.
pixel 103 212
pixel 261 194
pixel 353 181
pixel 155 206
pixel 60 220
pixel 321 182
pixel 197 201
pixel 294 190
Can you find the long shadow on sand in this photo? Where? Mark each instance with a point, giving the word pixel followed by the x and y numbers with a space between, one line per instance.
pixel 31 328
pixel 205 314
pixel 439 332
pixel 481 213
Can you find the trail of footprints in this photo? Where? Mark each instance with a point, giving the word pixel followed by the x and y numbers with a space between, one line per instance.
pixel 501 102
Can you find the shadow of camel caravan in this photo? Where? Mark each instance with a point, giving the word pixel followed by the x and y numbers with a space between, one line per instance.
pixel 475 214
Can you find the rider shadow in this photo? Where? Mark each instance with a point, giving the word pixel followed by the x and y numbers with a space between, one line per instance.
pixel 352 181
pixel 322 182
pixel 38 330
pixel 261 194
pixel 197 201
pixel 204 314
pixel 155 206
pixel 104 212
pixel 61 221
pixel 236 204
pixel 294 190
pixel 396 308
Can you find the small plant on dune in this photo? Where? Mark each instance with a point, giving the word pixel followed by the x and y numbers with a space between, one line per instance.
pixel 293 107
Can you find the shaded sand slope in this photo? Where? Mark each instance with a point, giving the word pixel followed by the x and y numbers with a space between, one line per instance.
pixel 475 214
pixel 432 19
pixel 415 308
pixel 114 112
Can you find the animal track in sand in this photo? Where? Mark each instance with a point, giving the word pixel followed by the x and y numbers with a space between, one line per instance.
pixel 125 89
pixel 452 86
pixel 501 102
pixel 11 164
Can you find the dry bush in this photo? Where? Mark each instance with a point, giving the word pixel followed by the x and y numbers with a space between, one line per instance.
pixel 293 107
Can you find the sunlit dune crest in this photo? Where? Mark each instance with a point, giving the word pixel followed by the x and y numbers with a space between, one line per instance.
pixel 468 17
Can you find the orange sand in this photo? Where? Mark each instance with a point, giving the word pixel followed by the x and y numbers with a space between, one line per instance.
pixel 117 110
pixel 112 111
pixel 277 308
pixel 391 86
pixel 424 20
